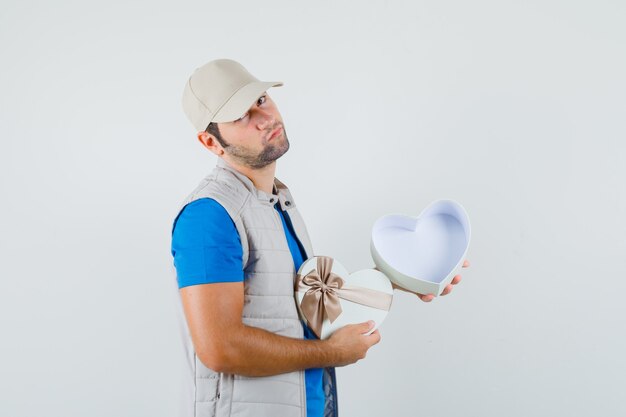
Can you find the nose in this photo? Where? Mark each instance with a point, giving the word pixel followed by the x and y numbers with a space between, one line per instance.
pixel 266 119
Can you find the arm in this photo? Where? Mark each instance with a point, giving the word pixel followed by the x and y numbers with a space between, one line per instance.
pixel 223 343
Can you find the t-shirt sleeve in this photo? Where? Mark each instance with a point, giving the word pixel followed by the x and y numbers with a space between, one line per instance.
pixel 206 245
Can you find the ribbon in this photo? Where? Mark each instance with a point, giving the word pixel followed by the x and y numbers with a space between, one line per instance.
pixel 324 288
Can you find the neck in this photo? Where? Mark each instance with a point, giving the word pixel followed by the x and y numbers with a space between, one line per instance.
pixel 262 178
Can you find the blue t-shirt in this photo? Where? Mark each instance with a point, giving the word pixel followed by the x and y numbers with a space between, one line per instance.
pixel 207 249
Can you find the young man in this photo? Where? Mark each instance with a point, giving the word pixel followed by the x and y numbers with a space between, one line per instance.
pixel 237 243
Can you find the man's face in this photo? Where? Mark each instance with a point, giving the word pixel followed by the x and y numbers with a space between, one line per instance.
pixel 258 138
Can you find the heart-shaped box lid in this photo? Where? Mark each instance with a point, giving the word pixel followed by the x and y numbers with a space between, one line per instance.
pixel 357 306
pixel 424 253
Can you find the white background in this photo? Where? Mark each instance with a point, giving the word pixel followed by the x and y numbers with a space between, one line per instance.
pixel 514 109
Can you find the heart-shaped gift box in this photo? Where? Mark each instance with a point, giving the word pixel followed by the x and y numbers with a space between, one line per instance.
pixel 424 253
pixel 328 297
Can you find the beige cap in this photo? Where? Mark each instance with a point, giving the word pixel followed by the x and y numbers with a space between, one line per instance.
pixel 221 91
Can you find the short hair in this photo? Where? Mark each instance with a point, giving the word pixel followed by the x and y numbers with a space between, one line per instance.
pixel 214 130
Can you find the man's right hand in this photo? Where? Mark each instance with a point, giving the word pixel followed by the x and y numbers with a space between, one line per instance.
pixel 351 343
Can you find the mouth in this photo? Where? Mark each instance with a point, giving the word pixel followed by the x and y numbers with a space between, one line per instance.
pixel 275 133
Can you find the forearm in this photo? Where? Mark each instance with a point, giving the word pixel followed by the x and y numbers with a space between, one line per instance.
pixel 251 351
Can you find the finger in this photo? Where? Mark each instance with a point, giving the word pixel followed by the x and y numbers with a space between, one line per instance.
pixel 426 298
pixel 456 280
pixel 366 326
pixel 466 264
pixel 376 336
pixel 447 290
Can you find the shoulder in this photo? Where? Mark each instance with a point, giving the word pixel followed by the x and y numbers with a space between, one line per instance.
pixel 204 219
pixel 204 205
pixel 205 245
pixel 204 208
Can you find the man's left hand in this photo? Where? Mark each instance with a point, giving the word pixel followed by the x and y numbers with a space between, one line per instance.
pixel 429 297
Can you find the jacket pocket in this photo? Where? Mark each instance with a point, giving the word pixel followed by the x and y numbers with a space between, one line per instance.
pixel 207 395
pixel 283 390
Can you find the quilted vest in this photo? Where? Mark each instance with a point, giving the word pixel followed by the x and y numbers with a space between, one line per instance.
pixel 269 304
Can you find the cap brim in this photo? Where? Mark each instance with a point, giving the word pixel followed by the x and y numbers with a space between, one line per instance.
pixel 242 100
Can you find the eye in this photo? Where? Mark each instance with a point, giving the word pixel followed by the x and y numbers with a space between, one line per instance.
pixel 260 102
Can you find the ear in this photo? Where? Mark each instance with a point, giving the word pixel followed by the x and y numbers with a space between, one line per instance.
pixel 208 141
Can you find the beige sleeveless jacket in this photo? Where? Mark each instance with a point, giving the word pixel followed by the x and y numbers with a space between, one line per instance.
pixel 269 304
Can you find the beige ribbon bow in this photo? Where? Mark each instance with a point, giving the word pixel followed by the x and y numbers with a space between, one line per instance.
pixel 323 291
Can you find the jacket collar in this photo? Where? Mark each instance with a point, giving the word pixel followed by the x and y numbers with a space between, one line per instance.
pixel 280 191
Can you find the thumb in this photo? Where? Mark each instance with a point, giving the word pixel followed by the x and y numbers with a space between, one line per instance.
pixel 366 326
